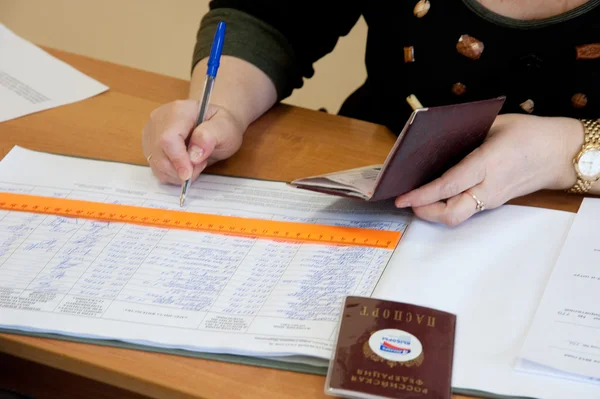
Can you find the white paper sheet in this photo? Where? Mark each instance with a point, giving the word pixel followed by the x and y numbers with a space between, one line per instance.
pixel 491 271
pixel 359 182
pixel 174 288
pixel 564 339
pixel 31 80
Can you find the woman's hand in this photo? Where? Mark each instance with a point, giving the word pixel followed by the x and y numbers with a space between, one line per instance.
pixel 521 154
pixel 163 140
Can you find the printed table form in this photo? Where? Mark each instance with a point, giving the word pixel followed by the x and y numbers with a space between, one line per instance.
pixel 175 288
pixel 564 338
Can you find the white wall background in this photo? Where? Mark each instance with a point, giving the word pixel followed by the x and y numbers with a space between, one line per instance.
pixel 159 35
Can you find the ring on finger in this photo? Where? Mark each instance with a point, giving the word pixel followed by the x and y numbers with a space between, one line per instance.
pixel 479 205
pixel 149 157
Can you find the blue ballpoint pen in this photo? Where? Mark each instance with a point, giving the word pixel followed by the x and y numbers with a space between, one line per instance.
pixel 211 74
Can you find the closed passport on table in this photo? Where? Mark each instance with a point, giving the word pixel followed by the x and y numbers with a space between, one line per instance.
pixel 433 140
pixel 388 349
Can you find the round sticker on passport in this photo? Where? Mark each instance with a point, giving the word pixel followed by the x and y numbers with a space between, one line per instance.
pixel 395 345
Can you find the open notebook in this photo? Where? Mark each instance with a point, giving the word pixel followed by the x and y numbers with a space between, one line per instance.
pixel 267 303
pixel 433 140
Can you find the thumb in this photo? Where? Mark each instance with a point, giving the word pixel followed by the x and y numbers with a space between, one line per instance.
pixel 202 143
pixel 218 138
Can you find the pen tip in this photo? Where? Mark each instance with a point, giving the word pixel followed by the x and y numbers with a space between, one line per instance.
pixel 184 187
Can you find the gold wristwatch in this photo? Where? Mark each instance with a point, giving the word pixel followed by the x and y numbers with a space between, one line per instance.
pixel 587 162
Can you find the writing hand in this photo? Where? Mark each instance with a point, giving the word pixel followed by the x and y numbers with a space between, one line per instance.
pixel 163 139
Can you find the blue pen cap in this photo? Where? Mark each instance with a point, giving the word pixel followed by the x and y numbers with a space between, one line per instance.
pixel 215 50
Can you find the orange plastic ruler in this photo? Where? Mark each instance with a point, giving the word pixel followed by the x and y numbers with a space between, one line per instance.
pixel 231 225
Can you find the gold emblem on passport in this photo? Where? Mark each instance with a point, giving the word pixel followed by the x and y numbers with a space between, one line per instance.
pixel 395 348
pixel 380 351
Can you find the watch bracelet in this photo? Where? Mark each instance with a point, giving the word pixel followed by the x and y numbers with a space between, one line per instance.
pixel 591 136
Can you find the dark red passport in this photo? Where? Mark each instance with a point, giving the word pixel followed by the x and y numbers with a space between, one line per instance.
pixel 433 140
pixel 388 349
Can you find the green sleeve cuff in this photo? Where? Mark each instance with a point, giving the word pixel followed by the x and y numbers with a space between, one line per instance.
pixel 254 41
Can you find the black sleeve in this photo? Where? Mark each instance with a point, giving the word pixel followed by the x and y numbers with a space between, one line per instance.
pixel 284 38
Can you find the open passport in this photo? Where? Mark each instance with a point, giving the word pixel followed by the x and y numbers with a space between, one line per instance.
pixel 432 141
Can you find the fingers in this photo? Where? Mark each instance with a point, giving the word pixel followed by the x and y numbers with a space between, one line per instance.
pixel 165 173
pixel 175 150
pixel 467 173
pixel 449 199
pixel 163 169
pixel 203 142
pixel 200 149
pixel 218 138
pixel 180 120
pixel 198 169
pixel 164 137
pixel 452 212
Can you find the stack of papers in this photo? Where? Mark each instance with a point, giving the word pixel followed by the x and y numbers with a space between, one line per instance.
pixel 564 338
pixel 173 288
pixel 32 80
pixel 213 293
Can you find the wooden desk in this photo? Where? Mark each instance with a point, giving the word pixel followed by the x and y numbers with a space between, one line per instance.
pixel 285 144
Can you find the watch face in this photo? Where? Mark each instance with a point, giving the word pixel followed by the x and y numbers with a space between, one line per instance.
pixel 589 163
